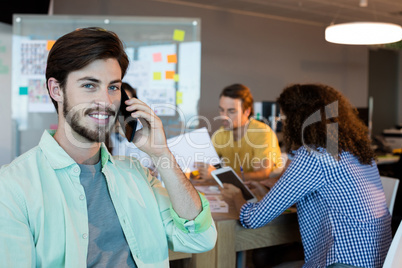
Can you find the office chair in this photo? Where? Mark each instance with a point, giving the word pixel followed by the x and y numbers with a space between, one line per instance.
pixel 390 186
pixel 394 256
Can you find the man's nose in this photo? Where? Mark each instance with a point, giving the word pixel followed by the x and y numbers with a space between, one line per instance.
pixel 104 97
pixel 223 114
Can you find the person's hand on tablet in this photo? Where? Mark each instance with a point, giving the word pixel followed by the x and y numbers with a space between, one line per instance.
pixel 232 193
pixel 258 189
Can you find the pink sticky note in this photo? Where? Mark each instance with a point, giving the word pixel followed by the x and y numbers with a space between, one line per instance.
pixel 157 57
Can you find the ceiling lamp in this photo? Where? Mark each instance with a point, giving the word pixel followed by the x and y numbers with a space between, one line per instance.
pixel 363 33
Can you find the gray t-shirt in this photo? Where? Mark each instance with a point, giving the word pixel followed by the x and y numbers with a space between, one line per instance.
pixel 107 244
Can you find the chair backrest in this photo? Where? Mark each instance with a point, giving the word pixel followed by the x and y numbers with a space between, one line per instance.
pixel 390 186
pixel 394 256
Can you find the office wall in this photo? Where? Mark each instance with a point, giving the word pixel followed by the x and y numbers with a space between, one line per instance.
pixel 262 53
pixel 400 89
pixel 5 92
pixel 383 87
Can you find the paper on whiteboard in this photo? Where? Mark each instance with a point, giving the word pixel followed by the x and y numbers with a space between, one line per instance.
pixel 191 147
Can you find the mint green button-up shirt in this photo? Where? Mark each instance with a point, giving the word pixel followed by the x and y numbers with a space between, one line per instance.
pixel 44 219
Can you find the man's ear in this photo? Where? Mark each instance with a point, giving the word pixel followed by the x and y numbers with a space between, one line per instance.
pixel 247 111
pixel 54 90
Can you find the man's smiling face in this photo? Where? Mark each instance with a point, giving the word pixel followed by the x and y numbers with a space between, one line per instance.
pixel 91 99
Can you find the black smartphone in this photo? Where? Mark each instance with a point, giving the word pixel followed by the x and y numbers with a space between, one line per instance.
pixel 127 122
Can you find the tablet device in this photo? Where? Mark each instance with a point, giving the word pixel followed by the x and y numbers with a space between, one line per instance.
pixel 228 175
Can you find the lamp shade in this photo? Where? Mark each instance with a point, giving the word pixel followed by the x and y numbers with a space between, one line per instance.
pixel 363 33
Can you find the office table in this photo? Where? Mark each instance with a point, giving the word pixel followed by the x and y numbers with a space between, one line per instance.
pixel 232 238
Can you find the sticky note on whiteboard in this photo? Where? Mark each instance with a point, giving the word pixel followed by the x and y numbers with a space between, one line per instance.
pixel 157 76
pixel 178 35
pixel 172 58
pixel 169 74
pixel 179 97
pixel 49 44
pixel 23 90
pixel 157 57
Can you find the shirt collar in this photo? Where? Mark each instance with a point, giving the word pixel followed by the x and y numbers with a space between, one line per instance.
pixel 58 158
pixel 105 155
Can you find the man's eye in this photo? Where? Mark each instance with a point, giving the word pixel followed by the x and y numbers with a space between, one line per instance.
pixel 114 88
pixel 89 86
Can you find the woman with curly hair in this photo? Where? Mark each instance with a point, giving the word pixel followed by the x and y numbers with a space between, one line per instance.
pixel 333 179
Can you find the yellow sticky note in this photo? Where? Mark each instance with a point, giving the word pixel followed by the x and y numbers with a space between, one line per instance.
pixel 157 76
pixel 172 58
pixel 178 35
pixel 169 74
pixel 49 44
pixel 179 97
pixel 176 77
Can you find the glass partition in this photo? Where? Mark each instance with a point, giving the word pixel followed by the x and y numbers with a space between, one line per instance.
pixel 165 65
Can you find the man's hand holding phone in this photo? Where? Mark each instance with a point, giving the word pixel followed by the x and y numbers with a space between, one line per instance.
pixel 151 138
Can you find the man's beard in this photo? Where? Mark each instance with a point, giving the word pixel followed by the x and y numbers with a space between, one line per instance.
pixel 100 134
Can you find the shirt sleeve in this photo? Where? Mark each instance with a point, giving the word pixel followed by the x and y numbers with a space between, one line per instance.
pixel 192 236
pixel 17 247
pixel 303 176
pixel 200 224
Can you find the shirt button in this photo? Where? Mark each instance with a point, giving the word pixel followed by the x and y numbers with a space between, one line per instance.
pixel 82 197
pixel 85 236
pixel 76 170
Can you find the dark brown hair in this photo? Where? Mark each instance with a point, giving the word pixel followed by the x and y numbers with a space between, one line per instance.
pixel 239 91
pixel 299 102
pixel 81 47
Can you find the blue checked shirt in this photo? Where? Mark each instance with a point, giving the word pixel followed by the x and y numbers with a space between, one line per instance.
pixel 341 208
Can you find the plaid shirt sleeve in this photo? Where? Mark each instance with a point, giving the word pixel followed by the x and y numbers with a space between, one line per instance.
pixel 304 175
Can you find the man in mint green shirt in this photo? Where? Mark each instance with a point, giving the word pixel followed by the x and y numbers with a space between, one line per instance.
pixel 69 203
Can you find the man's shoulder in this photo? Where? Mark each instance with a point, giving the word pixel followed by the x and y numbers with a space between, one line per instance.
pixel 21 171
pixel 26 161
pixel 259 131
pixel 255 124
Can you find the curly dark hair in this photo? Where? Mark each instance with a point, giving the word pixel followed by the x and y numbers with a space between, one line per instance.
pixel 310 109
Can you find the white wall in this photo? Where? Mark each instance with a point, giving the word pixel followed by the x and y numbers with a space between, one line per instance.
pixel 262 53
pixel 5 93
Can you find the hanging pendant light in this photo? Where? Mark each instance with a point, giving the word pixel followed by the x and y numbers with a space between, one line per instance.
pixel 363 33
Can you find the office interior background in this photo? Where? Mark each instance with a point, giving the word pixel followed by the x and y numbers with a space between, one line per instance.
pixel 264 44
